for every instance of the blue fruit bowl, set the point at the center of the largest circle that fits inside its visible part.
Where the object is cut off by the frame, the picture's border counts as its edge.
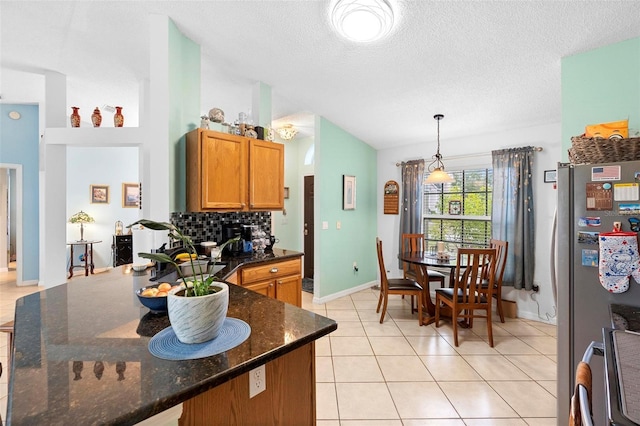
(154, 303)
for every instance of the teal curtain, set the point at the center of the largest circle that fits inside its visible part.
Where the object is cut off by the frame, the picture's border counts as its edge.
(412, 199)
(512, 216)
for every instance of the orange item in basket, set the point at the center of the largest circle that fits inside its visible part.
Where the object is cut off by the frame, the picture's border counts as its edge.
(612, 130)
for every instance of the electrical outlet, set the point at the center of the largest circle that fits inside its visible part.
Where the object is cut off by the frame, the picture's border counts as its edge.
(535, 288)
(355, 266)
(257, 381)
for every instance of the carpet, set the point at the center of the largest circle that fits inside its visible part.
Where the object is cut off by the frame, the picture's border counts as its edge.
(307, 285)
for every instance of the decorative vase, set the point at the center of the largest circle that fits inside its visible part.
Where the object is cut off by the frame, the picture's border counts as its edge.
(216, 115)
(96, 117)
(75, 117)
(198, 319)
(118, 118)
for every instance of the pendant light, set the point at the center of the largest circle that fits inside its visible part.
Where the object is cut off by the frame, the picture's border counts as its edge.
(436, 168)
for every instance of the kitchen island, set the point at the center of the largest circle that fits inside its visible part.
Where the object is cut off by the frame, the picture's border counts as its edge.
(81, 357)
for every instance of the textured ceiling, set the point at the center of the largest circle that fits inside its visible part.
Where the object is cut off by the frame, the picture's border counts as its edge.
(486, 65)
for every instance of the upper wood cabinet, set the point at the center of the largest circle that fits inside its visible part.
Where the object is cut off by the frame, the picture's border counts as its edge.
(233, 173)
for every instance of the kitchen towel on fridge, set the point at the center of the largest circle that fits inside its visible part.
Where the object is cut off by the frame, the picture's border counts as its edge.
(619, 260)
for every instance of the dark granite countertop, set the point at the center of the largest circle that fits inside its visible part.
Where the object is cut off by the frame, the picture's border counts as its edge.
(625, 317)
(81, 352)
(232, 263)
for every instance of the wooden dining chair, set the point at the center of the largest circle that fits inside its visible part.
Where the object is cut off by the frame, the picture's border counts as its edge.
(415, 243)
(502, 248)
(468, 293)
(401, 286)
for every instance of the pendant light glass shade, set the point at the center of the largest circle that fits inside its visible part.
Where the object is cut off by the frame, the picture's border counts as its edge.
(436, 168)
(438, 175)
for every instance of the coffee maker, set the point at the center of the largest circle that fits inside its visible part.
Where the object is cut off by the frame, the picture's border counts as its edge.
(230, 231)
(247, 236)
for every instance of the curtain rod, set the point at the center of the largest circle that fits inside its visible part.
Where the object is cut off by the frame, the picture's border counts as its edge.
(458, 157)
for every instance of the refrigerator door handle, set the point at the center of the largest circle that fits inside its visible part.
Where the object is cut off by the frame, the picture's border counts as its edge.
(594, 348)
(553, 255)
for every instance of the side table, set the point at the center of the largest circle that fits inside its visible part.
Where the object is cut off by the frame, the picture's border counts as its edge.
(88, 256)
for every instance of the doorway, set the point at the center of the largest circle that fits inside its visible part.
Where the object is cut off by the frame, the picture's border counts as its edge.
(11, 220)
(308, 227)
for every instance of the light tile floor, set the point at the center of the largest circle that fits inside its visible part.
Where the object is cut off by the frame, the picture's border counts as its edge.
(398, 373)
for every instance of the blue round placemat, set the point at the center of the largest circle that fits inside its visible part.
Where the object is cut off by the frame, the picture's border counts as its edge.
(166, 345)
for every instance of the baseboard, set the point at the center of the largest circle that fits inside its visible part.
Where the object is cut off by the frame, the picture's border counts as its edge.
(347, 292)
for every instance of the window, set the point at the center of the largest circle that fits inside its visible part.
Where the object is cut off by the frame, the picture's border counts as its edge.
(459, 213)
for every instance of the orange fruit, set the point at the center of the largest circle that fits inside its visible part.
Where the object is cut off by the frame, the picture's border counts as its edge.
(164, 287)
(161, 294)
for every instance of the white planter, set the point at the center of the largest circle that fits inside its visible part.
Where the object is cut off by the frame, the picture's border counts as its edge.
(198, 319)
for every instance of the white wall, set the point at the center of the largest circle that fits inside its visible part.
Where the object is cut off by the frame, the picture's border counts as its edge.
(103, 166)
(473, 152)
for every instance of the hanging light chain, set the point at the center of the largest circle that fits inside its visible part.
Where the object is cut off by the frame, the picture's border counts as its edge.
(437, 157)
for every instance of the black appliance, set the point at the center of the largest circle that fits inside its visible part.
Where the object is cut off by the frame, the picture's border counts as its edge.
(122, 248)
(247, 236)
(231, 231)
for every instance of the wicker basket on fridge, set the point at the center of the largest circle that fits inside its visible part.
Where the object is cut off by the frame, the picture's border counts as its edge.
(597, 150)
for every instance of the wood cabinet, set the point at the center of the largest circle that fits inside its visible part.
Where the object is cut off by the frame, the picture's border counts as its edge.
(279, 280)
(233, 173)
(289, 397)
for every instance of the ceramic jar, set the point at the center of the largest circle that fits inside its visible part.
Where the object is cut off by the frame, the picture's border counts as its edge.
(75, 117)
(96, 117)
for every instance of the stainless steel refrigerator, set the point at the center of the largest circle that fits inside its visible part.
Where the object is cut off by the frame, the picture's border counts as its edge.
(590, 199)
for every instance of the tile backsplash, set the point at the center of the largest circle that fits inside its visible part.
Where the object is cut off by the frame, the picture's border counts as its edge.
(204, 226)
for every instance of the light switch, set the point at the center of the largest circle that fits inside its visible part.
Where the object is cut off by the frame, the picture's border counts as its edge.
(325, 225)
(338, 225)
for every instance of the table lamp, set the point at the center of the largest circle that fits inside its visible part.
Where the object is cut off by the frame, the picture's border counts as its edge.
(81, 218)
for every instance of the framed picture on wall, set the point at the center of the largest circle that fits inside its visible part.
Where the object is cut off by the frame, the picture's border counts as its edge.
(99, 194)
(550, 176)
(348, 192)
(130, 195)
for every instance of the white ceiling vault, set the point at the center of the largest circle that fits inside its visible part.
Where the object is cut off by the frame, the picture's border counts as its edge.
(485, 65)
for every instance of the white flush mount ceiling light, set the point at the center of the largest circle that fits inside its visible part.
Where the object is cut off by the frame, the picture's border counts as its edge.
(362, 20)
(287, 132)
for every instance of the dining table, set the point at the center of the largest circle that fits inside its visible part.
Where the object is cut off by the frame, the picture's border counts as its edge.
(425, 260)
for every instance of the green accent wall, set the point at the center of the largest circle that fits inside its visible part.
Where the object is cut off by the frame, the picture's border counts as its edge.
(184, 109)
(599, 86)
(338, 153)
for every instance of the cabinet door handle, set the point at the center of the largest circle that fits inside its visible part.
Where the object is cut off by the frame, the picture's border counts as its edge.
(270, 284)
(274, 270)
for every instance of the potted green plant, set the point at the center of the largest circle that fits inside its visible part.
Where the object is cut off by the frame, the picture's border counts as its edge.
(198, 307)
